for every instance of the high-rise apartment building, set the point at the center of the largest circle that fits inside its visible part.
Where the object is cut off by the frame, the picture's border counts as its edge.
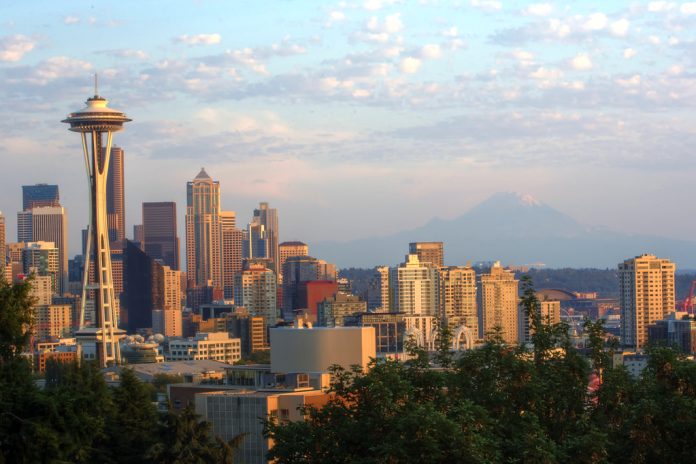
(428, 252)
(268, 217)
(159, 239)
(385, 290)
(550, 312)
(646, 295)
(3, 238)
(498, 296)
(167, 322)
(458, 297)
(417, 287)
(288, 249)
(203, 244)
(42, 258)
(52, 322)
(115, 197)
(256, 290)
(34, 196)
(231, 257)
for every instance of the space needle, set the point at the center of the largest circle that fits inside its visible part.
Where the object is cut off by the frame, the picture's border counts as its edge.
(96, 123)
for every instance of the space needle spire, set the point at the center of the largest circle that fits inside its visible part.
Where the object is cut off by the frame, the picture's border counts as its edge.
(97, 123)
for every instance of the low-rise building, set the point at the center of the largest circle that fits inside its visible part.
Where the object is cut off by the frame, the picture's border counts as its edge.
(216, 346)
(677, 330)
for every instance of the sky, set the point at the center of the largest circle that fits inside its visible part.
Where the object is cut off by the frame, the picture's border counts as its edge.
(362, 118)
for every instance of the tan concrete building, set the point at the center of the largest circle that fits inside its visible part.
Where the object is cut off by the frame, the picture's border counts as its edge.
(42, 290)
(50, 224)
(646, 294)
(316, 349)
(231, 251)
(288, 249)
(167, 322)
(256, 290)
(417, 285)
(172, 294)
(216, 346)
(428, 252)
(52, 322)
(458, 297)
(385, 289)
(3, 238)
(550, 311)
(498, 297)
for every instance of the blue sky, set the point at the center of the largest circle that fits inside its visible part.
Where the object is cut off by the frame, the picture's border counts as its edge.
(362, 118)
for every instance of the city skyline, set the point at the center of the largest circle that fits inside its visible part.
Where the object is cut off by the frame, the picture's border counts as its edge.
(336, 100)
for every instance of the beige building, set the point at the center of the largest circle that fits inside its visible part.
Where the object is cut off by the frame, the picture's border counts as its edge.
(428, 252)
(550, 311)
(50, 224)
(256, 290)
(417, 285)
(458, 297)
(3, 238)
(385, 289)
(288, 249)
(167, 322)
(172, 293)
(52, 322)
(231, 251)
(216, 346)
(646, 294)
(42, 290)
(235, 412)
(43, 258)
(316, 349)
(203, 243)
(498, 296)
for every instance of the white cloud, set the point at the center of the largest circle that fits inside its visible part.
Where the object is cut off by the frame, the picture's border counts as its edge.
(335, 17)
(676, 70)
(487, 5)
(655, 40)
(451, 32)
(546, 74)
(374, 5)
(558, 28)
(620, 28)
(673, 41)
(431, 51)
(595, 22)
(14, 47)
(361, 93)
(410, 65)
(393, 24)
(581, 62)
(71, 20)
(539, 9)
(688, 8)
(632, 81)
(200, 39)
(629, 53)
(523, 57)
(658, 7)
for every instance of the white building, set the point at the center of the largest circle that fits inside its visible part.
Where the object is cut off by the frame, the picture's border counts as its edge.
(216, 346)
(417, 285)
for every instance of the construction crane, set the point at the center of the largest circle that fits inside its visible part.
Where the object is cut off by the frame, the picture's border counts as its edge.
(688, 304)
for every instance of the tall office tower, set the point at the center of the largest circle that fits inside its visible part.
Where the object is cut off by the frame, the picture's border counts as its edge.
(203, 248)
(386, 297)
(255, 243)
(96, 123)
(39, 195)
(550, 312)
(268, 217)
(288, 249)
(231, 251)
(50, 224)
(498, 297)
(143, 288)
(428, 252)
(296, 271)
(458, 297)
(159, 232)
(646, 294)
(115, 197)
(42, 258)
(255, 290)
(24, 232)
(417, 285)
(139, 235)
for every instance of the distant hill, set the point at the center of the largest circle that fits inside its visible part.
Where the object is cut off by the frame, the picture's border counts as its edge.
(516, 229)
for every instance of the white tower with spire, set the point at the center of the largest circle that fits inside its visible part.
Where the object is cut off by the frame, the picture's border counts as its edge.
(97, 123)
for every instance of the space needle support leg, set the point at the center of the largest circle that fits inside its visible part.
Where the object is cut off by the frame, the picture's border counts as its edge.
(90, 227)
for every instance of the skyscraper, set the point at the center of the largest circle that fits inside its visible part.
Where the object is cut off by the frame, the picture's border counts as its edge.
(115, 197)
(458, 297)
(417, 287)
(498, 297)
(268, 217)
(288, 249)
(255, 289)
(550, 312)
(47, 224)
(646, 294)
(39, 195)
(203, 248)
(255, 242)
(296, 271)
(428, 252)
(2, 243)
(231, 251)
(42, 258)
(159, 232)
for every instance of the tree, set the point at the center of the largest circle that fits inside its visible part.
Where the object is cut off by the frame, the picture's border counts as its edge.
(16, 318)
(185, 439)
